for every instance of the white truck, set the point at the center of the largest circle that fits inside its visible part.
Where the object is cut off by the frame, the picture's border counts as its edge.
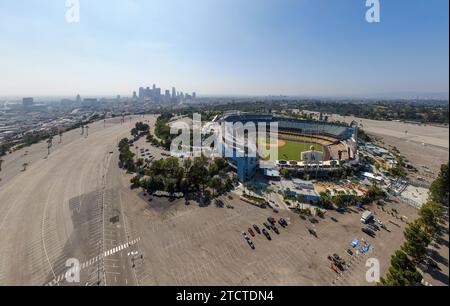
(366, 217)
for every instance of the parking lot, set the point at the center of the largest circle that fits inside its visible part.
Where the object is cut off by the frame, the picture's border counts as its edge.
(189, 245)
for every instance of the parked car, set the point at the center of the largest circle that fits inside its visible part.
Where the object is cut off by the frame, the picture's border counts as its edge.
(251, 232)
(336, 257)
(313, 220)
(245, 236)
(368, 231)
(275, 229)
(264, 231)
(374, 227)
(271, 220)
(312, 232)
(266, 225)
(251, 244)
(334, 268)
(256, 228)
(349, 252)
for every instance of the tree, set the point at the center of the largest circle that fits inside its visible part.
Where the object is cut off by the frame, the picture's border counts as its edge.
(333, 163)
(402, 271)
(374, 193)
(213, 169)
(221, 163)
(126, 157)
(284, 172)
(215, 184)
(135, 181)
(339, 201)
(301, 199)
(325, 200)
(417, 241)
(431, 215)
(199, 174)
(140, 162)
(185, 185)
(439, 190)
(187, 164)
(134, 132)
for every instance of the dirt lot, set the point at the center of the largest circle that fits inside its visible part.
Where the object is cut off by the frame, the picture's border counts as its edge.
(431, 157)
(189, 245)
(422, 145)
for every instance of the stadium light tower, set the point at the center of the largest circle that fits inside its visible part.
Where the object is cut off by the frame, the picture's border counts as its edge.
(49, 145)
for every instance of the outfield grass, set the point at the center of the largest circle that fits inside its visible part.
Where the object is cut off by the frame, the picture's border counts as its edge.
(292, 150)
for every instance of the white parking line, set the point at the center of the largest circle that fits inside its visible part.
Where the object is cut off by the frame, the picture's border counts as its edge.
(94, 260)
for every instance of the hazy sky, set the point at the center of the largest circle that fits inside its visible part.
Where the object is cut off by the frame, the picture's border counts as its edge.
(292, 47)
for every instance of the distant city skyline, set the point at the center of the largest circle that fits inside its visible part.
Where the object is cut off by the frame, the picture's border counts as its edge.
(303, 48)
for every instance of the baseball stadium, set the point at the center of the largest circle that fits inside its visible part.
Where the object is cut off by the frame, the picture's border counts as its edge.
(302, 145)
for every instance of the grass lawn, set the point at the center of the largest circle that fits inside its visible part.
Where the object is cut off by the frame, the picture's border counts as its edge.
(292, 150)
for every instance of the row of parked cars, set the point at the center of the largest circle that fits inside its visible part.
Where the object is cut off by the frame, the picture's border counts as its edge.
(146, 153)
(270, 225)
(373, 227)
(337, 263)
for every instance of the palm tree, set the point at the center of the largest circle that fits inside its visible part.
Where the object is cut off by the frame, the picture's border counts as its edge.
(300, 199)
(137, 152)
(268, 192)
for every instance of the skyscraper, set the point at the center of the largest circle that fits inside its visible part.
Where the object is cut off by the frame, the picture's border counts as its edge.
(174, 93)
(141, 93)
